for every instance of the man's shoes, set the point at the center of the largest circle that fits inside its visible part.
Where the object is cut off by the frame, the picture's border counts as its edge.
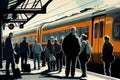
(66, 76)
(83, 76)
(72, 76)
(7, 74)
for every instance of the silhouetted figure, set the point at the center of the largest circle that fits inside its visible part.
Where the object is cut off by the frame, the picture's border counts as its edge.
(83, 56)
(51, 65)
(17, 55)
(107, 55)
(10, 54)
(24, 52)
(37, 49)
(71, 48)
(58, 53)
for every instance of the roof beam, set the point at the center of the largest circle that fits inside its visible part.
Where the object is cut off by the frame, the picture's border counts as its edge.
(15, 20)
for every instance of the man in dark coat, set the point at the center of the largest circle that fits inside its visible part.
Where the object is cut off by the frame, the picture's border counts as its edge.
(24, 52)
(71, 48)
(10, 54)
(107, 55)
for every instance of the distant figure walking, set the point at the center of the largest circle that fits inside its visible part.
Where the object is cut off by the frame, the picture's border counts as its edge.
(71, 48)
(107, 55)
(10, 54)
(37, 49)
(83, 56)
(24, 52)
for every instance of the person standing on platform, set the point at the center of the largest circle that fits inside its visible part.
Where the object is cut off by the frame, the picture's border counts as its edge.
(49, 51)
(24, 52)
(107, 55)
(71, 48)
(60, 55)
(37, 49)
(83, 56)
(10, 54)
(57, 51)
(17, 55)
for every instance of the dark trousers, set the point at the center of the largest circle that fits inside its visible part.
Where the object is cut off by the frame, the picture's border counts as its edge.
(70, 63)
(107, 68)
(43, 60)
(23, 61)
(7, 66)
(59, 62)
(83, 65)
(51, 65)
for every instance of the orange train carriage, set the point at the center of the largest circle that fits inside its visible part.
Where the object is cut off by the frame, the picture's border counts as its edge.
(96, 23)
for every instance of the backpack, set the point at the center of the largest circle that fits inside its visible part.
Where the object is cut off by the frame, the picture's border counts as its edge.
(88, 48)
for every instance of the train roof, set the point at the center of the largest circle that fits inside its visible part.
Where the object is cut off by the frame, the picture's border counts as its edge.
(89, 14)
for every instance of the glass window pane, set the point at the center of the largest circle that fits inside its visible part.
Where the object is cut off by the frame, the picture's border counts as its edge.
(96, 30)
(101, 29)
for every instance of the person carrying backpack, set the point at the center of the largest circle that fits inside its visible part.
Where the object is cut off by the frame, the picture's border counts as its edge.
(84, 55)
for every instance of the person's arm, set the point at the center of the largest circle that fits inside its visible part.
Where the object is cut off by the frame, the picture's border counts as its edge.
(82, 46)
(28, 50)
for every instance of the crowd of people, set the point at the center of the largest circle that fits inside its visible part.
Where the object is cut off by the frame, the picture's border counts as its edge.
(69, 48)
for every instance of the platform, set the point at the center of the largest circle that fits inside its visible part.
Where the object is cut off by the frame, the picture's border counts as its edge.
(44, 74)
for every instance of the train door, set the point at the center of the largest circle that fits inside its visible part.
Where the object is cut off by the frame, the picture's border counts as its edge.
(98, 33)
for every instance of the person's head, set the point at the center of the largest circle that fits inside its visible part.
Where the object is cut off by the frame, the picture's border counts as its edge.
(84, 37)
(36, 41)
(73, 30)
(16, 44)
(61, 39)
(11, 35)
(55, 40)
(24, 38)
(106, 38)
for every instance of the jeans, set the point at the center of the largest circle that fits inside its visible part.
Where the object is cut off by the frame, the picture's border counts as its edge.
(36, 57)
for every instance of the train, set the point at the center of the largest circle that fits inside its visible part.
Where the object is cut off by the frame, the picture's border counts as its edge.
(95, 23)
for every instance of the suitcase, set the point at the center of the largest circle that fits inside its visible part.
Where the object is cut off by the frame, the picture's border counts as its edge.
(26, 68)
(17, 73)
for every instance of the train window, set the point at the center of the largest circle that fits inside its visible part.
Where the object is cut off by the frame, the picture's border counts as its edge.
(116, 31)
(96, 30)
(101, 29)
(31, 39)
(82, 30)
(45, 37)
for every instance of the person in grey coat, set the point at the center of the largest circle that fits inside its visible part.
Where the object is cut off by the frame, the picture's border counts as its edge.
(37, 49)
(83, 56)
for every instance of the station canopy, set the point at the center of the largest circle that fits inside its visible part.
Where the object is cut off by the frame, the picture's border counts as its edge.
(21, 11)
